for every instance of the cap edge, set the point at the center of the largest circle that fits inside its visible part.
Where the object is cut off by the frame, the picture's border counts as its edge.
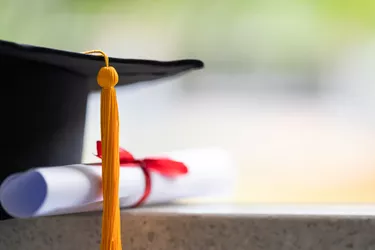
(195, 63)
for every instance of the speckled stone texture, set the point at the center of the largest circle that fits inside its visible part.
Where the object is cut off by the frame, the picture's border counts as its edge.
(143, 230)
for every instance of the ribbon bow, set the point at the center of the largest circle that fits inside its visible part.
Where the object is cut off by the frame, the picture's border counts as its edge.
(163, 166)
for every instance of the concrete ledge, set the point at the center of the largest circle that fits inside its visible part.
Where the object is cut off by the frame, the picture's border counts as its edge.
(196, 228)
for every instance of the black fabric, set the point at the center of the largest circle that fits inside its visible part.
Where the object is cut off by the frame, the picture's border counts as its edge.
(130, 70)
(43, 116)
(44, 98)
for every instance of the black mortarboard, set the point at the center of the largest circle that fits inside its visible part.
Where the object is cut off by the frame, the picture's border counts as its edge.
(44, 100)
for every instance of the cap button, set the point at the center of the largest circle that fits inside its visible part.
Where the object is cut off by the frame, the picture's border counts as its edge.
(107, 77)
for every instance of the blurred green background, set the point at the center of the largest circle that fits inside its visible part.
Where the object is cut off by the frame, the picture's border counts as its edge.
(240, 31)
(288, 86)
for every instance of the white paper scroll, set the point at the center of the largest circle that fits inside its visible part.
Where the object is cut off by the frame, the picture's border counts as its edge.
(76, 188)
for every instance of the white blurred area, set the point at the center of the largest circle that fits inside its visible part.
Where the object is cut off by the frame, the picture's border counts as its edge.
(288, 146)
(304, 133)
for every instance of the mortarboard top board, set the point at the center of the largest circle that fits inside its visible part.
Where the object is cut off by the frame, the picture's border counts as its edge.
(44, 98)
(130, 70)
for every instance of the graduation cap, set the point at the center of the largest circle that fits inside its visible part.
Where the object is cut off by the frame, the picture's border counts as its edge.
(44, 98)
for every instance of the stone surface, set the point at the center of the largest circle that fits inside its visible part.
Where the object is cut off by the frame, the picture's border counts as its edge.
(202, 228)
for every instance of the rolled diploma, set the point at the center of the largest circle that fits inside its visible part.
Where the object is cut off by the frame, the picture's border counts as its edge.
(77, 188)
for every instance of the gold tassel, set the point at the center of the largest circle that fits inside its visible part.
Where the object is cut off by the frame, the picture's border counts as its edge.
(111, 224)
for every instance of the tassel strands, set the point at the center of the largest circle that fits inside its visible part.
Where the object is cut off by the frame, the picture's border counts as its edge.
(111, 224)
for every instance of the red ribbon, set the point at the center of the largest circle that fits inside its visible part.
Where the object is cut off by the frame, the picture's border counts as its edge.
(163, 166)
